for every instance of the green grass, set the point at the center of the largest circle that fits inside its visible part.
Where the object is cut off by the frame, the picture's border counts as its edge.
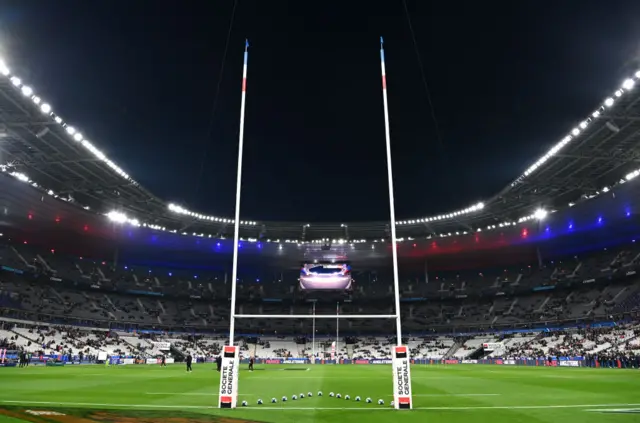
(454, 393)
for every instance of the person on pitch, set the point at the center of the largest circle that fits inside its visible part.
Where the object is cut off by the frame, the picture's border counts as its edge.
(189, 360)
(163, 361)
(251, 360)
(219, 362)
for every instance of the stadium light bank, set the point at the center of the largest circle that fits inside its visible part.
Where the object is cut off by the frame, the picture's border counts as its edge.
(27, 91)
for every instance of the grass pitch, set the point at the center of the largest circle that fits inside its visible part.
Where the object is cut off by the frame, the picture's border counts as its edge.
(454, 393)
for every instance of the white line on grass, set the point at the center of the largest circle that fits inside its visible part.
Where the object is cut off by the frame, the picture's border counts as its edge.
(215, 394)
(524, 407)
(454, 395)
(382, 376)
(363, 408)
(208, 394)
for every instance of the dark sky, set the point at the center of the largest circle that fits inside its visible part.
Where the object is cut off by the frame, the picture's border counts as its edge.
(139, 78)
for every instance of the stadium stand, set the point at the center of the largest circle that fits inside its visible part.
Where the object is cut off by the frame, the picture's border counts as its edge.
(86, 305)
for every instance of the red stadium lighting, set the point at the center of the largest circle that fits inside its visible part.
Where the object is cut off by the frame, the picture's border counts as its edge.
(57, 220)
(53, 251)
(86, 227)
(525, 232)
(30, 216)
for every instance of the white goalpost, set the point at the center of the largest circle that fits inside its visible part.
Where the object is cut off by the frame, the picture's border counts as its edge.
(230, 356)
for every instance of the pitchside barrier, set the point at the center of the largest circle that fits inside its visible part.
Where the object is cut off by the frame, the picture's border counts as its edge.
(41, 360)
(10, 360)
(555, 361)
(541, 362)
(531, 362)
(317, 361)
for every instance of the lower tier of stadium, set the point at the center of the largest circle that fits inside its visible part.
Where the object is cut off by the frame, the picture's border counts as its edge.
(39, 285)
(612, 341)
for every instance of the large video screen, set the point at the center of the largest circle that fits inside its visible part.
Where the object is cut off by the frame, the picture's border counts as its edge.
(319, 276)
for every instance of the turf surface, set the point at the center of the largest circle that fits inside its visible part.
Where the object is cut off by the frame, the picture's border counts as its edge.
(454, 393)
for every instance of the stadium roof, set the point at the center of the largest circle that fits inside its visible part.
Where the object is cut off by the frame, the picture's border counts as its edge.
(44, 150)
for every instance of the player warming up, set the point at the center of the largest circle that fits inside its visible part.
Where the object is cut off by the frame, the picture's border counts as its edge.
(163, 361)
(251, 359)
(189, 359)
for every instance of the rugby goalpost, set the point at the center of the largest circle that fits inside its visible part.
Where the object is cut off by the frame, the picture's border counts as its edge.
(228, 394)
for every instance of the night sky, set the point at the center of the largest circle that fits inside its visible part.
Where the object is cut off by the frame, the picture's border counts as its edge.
(148, 82)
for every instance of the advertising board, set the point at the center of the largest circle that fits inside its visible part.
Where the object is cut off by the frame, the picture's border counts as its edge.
(228, 397)
(402, 378)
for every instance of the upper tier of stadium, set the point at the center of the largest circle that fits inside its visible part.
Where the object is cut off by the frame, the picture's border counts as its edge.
(43, 150)
(543, 290)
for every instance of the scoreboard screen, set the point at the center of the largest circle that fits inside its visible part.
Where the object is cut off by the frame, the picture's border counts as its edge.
(325, 276)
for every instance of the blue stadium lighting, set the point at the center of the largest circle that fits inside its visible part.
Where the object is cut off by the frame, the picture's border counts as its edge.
(599, 219)
(570, 225)
(218, 244)
(628, 213)
(170, 274)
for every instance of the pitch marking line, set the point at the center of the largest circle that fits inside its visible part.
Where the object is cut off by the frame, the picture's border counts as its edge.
(207, 394)
(215, 394)
(453, 395)
(359, 377)
(364, 408)
(616, 410)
